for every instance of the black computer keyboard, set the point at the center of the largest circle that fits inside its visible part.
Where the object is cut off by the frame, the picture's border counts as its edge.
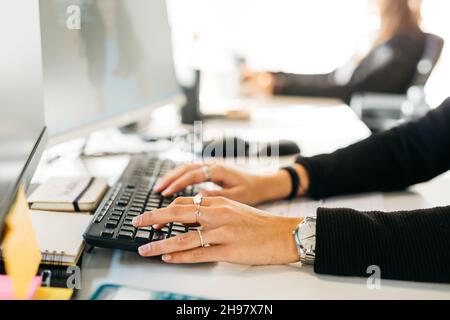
(132, 195)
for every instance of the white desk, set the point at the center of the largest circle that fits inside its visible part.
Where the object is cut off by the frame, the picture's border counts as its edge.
(316, 130)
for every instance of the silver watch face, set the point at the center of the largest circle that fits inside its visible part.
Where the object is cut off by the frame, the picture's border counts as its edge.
(309, 244)
(307, 235)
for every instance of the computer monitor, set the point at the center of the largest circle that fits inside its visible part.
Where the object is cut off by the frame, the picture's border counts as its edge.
(111, 71)
(22, 129)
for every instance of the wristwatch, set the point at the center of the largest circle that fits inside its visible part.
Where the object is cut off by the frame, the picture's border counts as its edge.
(305, 238)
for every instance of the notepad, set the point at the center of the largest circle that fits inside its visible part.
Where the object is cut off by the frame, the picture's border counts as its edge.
(69, 194)
(60, 236)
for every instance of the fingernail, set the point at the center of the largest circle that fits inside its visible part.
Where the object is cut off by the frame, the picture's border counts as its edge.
(145, 249)
(166, 193)
(156, 226)
(166, 257)
(136, 221)
(157, 186)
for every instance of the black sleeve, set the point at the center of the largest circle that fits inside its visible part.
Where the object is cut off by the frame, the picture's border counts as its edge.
(411, 246)
(412, 153)
(387, 69)
(314, 85)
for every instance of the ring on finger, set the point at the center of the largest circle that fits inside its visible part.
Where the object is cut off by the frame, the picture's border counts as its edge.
(198, 200)
(203, 243)
(198, 213)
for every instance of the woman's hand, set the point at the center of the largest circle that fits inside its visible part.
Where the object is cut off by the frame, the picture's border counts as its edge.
(238, 186)
(235, 232)
(245, 188)
(257, 83)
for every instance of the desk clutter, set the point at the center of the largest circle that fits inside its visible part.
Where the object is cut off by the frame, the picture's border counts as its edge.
(60, 242)
(49, 241)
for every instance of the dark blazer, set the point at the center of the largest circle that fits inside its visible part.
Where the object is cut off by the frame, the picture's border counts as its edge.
(407, 245)
(388, 68)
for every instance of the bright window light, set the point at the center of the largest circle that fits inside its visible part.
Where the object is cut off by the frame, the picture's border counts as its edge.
(304, 36)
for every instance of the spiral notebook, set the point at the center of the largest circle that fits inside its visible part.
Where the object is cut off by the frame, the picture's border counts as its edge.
(60, 236)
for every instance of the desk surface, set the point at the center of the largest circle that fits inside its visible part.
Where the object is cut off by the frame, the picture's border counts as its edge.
(317, 130)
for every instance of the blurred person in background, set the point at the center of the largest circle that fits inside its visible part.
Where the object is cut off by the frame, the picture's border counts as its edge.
(389, 67)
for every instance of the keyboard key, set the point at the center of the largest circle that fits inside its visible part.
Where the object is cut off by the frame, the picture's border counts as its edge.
(114, 218)
(157, 236)
(142, 236)
(117, 213)
(146, 229)
(177, 224)
(128, 228)
(165, 230)
(108, 233)
(152, 205)
(142, 194)
(111, 224)
(128, 224)
(133, 214)
(125, 235)
(178, 228)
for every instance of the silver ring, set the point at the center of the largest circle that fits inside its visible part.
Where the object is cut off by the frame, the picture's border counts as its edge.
(198, 200)
(207, 173)
(197, 215)
(203, 244)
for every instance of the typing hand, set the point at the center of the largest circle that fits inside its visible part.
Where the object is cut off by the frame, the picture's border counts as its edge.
(231, 232)
(245, 188)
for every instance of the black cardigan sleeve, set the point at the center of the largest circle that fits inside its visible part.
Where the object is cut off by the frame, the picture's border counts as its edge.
(389, 68)
(410, 245)
(409, 154)
(405, 245)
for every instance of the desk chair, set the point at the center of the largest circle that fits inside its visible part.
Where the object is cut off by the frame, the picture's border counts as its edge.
(383, 111)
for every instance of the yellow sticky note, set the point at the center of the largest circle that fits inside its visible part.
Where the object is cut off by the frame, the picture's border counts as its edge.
(20, 249)
(45, 293)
